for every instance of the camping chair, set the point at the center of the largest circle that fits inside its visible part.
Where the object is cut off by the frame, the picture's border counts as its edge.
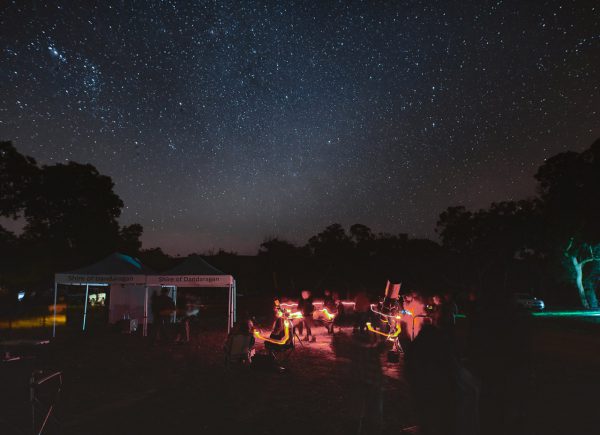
(238, 348)
(282, 351)
(326, 317)
(43, 403)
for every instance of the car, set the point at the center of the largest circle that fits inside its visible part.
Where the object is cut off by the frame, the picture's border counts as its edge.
(529, 302)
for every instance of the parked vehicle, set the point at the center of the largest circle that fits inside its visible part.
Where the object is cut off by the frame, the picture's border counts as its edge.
(529, 302)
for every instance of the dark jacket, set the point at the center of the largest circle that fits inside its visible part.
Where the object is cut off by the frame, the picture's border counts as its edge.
(305, 306)
(329, 303)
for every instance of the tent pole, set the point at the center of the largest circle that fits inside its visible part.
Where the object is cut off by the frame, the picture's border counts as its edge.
(229, 312)
(87, 289)
(54, 320)
(145, 325)
(175, 302)
(234, 301)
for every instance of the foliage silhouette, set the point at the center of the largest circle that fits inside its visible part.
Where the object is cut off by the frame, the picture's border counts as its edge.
(70, 213)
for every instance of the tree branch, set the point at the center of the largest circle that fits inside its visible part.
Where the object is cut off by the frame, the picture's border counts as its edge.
(568, 249)
(569, 246)
(587, 260)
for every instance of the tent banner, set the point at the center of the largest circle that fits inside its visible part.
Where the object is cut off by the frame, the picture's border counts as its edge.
(191, 280)
(76, 279)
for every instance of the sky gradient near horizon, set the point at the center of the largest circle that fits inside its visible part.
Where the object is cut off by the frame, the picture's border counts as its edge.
(225, 122)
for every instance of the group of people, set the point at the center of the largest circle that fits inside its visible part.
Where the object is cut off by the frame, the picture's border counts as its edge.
(331, 303)
(438, 310)
(461, 387)
(164, 311)
(480, 386)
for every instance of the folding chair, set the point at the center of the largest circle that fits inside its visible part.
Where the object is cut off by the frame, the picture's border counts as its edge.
(43, 405)
(239, 349)
(281, 352)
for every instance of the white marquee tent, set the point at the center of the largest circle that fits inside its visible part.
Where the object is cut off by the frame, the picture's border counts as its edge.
(195, 272)
(130, 281)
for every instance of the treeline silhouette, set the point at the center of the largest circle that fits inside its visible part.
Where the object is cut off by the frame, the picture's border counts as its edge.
(548, 245)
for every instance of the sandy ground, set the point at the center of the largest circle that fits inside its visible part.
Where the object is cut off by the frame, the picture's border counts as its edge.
(119, 384)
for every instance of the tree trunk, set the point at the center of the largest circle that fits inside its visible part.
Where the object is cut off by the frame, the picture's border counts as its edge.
(589, 283)
(591, 298)
(590, 292)
(578, 268)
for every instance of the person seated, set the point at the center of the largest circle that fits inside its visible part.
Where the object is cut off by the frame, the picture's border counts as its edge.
(240, 340)
(278, 333)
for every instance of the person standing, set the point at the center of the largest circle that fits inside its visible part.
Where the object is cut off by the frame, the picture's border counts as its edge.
(162, 310)
(306, 307)
(435, 310)
(155, 309)
(362, 306)
(184, 313)
(366, 357)
(474, 335)
(331, 307)
(444, 317)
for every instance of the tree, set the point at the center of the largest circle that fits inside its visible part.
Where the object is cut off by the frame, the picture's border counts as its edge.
(331, 242)
(569, 191)
(73, 211)
(284, 263)
(361, 233)
(577, 256)
(18, 175)
(334, 257)
(70, 211)
(156, 259)
(129, 239)
(456, 229)
(7, 252)
(561, 222)
(492, 239)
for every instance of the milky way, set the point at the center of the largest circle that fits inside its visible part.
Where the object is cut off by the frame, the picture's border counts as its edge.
(224, 122)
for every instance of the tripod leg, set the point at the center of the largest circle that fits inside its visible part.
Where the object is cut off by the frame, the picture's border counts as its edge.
(398, 346)
(296, 337)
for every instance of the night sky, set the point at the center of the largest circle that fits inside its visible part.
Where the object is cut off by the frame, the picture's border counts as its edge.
(223, 122)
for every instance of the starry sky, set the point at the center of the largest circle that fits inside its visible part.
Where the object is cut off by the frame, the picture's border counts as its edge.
(225, 122)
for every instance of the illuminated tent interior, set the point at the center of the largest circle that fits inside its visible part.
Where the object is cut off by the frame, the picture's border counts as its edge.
(127, 278)
(130, 282)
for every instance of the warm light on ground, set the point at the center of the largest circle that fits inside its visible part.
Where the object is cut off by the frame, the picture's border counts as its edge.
(33, 322)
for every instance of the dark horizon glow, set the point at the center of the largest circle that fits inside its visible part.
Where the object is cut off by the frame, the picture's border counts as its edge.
(225, 122)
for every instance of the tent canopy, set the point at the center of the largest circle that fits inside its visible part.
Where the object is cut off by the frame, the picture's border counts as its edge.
(192, 272)
(194, 265)
(117, 268)
(130, 272)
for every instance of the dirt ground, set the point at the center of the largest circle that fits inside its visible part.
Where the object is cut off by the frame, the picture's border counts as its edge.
(119, 384)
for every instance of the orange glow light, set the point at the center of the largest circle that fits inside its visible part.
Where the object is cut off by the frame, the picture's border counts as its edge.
(287, 313)
(280, 342)
(329, 315)
(33, 322)
(388, 336)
